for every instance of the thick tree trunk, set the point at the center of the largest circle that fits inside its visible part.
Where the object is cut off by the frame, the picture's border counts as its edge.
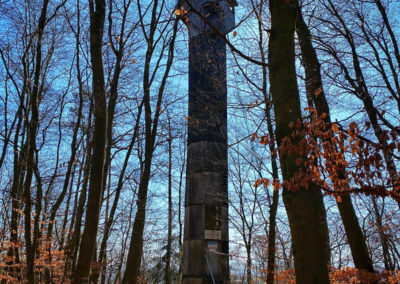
(305, 207)
(38, 208)
(110, 118)
(275, 175)
(355, 237)
(88, 242)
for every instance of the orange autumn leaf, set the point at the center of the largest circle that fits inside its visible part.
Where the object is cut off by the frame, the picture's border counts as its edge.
(263, 181)
(335, 127)
(310, 109)
(253, 137)
(339, 198)
(318, 91)
(352, 125)
(180, 12)
(234, 33)
(257, 183)
(264, 140)
(133, 61)
(276, 184)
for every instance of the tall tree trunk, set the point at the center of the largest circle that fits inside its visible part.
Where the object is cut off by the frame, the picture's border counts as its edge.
(274, 206)
(110, 220)
(305, 207)
(112, 102)
(38, 207)
(64, 232)
(383, 13)
(248, 261)
(88, 242)
(72, 249)
(355, 237)
(32, 132)
(7, 132)
(16, 189)
(134, 259)
(167, 271)
(110, 118)
(180, 221)
(274, 164)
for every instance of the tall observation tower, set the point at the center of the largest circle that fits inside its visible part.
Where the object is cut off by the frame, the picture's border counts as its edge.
(206, 201)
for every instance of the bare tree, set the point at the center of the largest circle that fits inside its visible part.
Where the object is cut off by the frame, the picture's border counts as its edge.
(88, 243)
(314, 89)
(151, 126)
